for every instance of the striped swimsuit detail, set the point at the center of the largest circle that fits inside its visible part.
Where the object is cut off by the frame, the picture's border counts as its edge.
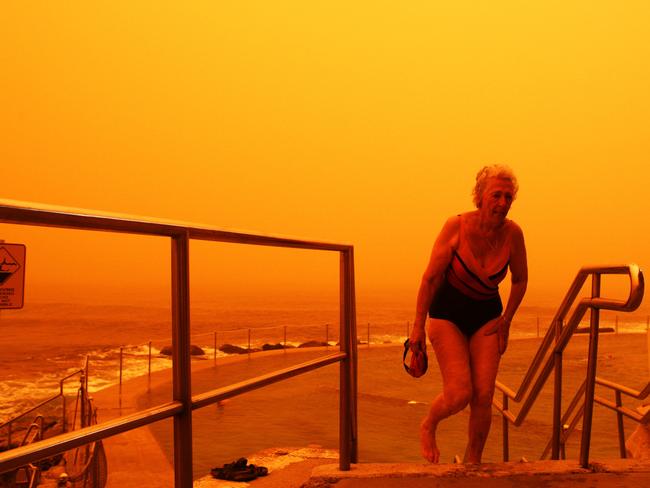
(469, 295)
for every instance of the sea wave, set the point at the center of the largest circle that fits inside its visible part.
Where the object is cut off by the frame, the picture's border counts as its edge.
(29, 379)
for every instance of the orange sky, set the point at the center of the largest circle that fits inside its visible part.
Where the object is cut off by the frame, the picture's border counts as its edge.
(359, 122)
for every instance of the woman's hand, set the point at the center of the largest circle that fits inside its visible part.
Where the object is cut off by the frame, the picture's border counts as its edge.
(418, 339)
(501, 327)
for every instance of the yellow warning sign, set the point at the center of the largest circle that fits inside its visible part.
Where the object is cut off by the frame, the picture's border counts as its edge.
(12, 275)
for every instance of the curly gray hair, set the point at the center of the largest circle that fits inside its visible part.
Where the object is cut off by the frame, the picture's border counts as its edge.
(492, 171)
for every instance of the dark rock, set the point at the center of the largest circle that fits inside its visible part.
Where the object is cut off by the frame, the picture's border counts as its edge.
(271, 347)
(313, 344)
(194, 351)
(230, 349)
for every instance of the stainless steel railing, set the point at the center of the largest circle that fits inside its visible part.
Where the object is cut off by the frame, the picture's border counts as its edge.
(85, 414)
(9, 424)
(549, 355)
(180, 408)
(575, 412)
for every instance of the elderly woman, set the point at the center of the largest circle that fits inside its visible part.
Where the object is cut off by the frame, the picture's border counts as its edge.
(468, 327)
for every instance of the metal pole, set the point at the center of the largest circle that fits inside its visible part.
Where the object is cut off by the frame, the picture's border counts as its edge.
(368, 334)
(504, 419)
(285, 338)
(249, 343)
(215, 348)
(344, 374)
(352, 322)
(82, 411)
(348, 343)
(64, 419)
(181, 366)
(647, 329)
(591, 375)
(121, 360)
(617, 324)
(87, 371)
(621, 431)
(557, 396)
(327, 334)
(149, 359)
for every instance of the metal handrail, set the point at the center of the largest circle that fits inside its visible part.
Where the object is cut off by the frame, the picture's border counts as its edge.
(9, 423)
(34, 431)
(27, 213)
(549, 354)
(183, 403)
(572, 415)
(616, 406)
(44, 402)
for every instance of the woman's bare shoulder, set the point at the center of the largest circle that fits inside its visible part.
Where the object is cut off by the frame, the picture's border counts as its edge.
(449, 233)
(513, 229)
(452, 224)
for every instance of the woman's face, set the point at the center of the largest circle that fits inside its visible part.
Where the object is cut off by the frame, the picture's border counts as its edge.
(497, 198)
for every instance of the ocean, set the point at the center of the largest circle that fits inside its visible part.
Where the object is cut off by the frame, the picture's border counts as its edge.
(47, 341)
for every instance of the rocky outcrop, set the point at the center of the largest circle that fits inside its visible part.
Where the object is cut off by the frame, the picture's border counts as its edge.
(313, 344)
(194, 351)
(232, 349)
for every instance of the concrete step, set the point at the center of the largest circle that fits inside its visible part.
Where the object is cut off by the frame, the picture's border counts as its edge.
(606, 474)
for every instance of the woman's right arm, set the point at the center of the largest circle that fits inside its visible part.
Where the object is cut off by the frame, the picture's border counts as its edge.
(433, 277)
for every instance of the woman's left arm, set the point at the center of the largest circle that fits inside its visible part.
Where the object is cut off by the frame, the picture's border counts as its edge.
(519, 273)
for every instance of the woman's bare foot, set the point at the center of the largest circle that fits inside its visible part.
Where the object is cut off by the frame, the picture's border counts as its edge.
(430, 450)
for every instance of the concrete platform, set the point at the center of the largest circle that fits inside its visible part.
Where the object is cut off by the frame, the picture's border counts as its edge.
(542, 474)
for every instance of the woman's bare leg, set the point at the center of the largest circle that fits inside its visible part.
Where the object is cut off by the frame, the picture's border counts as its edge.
(484, 360)
(452, 353)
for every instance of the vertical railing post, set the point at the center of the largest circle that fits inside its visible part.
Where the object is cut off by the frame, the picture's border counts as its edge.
(64, 423)
(591, 374)
(347, 334)
(87, 368)
(285, 338)
(506, 439)
(647, 332)
(214, 359)
(121, 363)
(181, 367)
(82, 409)
(149, 365)
(557, 395)
(249, 343)
(368, 334)
(327, 335)
(352, 311)
(64, 419)
(621, 431)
